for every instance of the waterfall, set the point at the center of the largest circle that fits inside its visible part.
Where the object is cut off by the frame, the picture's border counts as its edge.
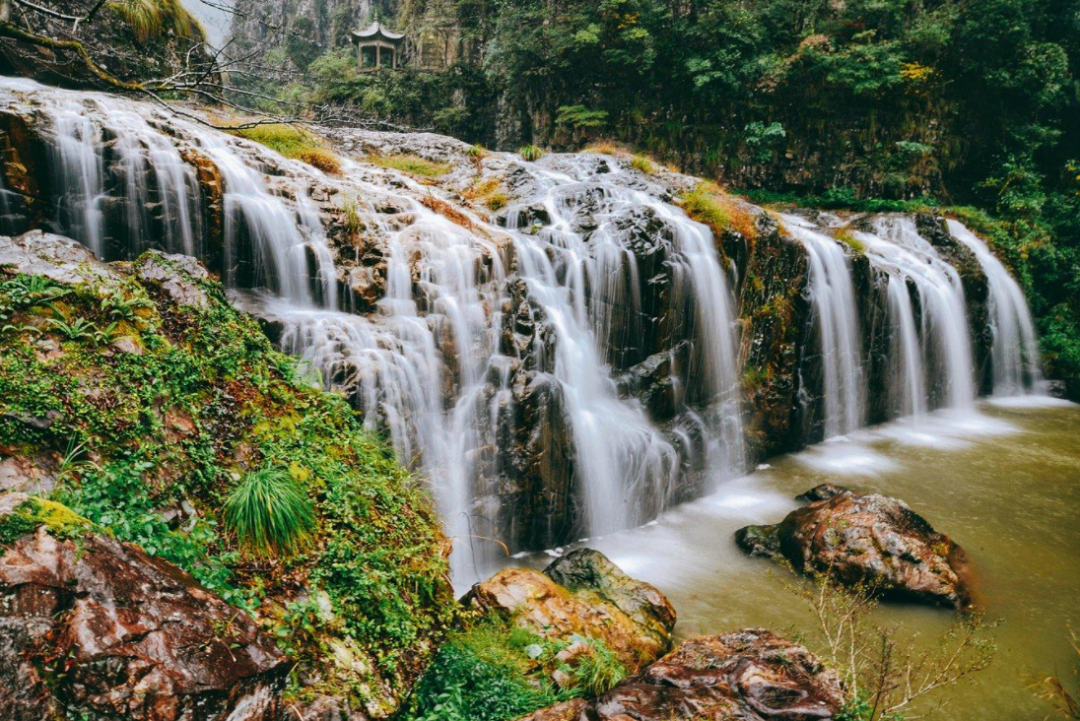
(1015, 350)
(832, 297)
(78, 171)
(574, 354)
(8, 221)
(944, 332)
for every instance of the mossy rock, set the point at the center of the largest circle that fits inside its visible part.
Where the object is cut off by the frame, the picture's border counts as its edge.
(159, 396)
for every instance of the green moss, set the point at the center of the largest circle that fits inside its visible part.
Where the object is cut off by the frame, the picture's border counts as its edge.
(847, 237)
(60, 520)
(411, 164)
(174, 428)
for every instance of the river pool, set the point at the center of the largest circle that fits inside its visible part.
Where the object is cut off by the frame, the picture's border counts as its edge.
(1003, 481)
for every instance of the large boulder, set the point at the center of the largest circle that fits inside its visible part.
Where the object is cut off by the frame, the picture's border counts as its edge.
(99, 625)
(749, 675)
(583, 594)
(869, 541)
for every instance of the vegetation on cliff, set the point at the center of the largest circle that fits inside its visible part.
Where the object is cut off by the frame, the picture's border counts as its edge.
(149, 411)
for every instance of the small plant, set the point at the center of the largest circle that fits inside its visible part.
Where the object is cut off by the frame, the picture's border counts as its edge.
(644, 164)
(598, 670)
(117, 307)
(1055, 692)
(886, 677)
(106, 335)
(531, 153)
(351, 215)
(78, 329)
(270, 513)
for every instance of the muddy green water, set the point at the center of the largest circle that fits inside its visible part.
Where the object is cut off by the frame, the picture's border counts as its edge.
(1004, 482)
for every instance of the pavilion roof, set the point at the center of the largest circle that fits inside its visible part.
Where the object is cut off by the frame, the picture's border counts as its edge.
(376, 31)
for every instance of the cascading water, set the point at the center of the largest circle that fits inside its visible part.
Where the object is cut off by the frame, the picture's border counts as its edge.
(1015, 351)
(945, 337)
(78, 172)
(832, 296)
(581, 343)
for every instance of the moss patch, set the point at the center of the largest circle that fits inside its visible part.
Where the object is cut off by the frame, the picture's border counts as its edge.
(154, 442)
(708, 204)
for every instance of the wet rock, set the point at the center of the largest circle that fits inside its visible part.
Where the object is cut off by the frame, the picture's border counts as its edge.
(57, 258)
(526, 216)
(750, 675)
(598, 601)
(175, 275)
(135, 637)
(325, 708)
(586, 569)
(823, 492)
(867, 540)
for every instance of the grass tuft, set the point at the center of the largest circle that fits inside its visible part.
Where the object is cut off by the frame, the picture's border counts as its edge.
(270, 513)
(708, 204)
(643, 163)
(294, 143)
(411, 164)
(152, 18)
(531, 153)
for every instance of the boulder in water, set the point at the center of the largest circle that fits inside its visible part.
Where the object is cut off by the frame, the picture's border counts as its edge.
(752, 675)
(867, 540)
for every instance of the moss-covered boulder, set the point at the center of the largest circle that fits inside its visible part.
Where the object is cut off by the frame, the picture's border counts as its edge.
(147, 399)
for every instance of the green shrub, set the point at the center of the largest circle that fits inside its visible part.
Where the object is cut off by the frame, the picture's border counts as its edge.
(481, 676)
(270, 513)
